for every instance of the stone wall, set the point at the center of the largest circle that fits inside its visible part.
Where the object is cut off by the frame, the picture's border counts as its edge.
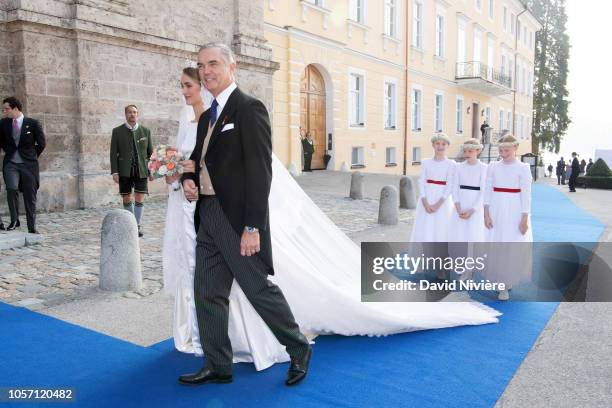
(75, 64)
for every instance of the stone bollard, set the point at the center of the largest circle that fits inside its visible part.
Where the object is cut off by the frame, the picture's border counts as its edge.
(344, 168)
(120, 252)
(356, 186)
(388, 208)
(407, 193)
(293, 170)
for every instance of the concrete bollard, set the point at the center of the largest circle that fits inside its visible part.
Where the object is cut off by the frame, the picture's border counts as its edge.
(388, 208)
(120, 268)
(407, 193)
(293, 170)
(356, 192)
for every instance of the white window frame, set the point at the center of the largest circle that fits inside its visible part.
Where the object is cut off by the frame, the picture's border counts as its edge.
(440, 35)
(362, 99)
(438, 127)
(501, 120)
(459, 108)
(393, 159)
(358, 11)
(392, 24)
(392, 109)
(505, 19)
(477, 51)
(360, 156)
(512, 23)
(417, 24)
(509, 123)
(416, 127)
(492, 10)
(416, 155)
(488, 112)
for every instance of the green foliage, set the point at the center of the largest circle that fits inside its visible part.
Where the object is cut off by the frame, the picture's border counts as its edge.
(594, 182)
(599, 169)
(550, 104)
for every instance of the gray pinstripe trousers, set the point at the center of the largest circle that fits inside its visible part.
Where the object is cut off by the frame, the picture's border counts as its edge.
(218, 262)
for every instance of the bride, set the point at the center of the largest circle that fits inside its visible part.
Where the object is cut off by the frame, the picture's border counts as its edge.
(317, 267)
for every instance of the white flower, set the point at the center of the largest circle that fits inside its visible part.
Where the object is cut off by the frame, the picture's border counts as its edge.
(162, 170)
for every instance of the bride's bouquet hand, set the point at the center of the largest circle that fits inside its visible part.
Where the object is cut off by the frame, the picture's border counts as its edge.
(173, 178)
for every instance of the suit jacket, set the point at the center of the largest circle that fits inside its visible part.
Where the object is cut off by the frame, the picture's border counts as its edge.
(122, 145)
(575, 167)
(31, 143)
(239, 161)
(307, 146)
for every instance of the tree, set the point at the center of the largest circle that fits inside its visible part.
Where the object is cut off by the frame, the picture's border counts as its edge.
(550, 104)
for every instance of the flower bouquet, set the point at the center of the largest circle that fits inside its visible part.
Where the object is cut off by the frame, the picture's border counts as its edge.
(165, 161)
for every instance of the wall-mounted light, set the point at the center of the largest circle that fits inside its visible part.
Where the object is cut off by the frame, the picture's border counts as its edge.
(469, 108)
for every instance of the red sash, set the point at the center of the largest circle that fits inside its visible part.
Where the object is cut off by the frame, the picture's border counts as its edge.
(442, 183)
(506, 190)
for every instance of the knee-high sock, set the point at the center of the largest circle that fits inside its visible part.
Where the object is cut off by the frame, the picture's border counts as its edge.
(138, 210)
(129, 207)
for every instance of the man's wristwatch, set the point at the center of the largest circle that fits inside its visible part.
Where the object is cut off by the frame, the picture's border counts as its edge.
(251, 229)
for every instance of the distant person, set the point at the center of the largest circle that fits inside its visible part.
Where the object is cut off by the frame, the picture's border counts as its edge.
(583, 164)
(550, 169)
(130, 150)
(589, 165)
(574, 172)
(22, 140)
(483, 130)
(308, 148)
(560, 171)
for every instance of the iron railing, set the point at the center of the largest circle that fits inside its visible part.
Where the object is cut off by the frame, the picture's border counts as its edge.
(476, 69)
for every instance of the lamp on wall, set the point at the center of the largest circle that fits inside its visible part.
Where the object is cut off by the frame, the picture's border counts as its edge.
(469, 108)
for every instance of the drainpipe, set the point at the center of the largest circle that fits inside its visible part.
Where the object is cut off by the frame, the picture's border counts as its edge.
(407, 96)
(516, 33)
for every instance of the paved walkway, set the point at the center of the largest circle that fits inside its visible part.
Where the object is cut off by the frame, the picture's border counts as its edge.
(65, 266)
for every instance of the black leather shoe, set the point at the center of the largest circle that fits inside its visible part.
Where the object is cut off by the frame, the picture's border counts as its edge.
(2, 227)
(33, 231)
(140, 234)
(298, 368)
(13, 225)
(205, 376)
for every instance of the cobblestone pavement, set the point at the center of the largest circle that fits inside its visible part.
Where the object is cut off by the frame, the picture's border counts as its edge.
(65, 266)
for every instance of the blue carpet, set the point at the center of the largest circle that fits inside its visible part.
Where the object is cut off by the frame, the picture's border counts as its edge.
(458, 367)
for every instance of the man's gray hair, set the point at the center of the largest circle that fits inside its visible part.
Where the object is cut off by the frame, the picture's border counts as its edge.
(226, 52)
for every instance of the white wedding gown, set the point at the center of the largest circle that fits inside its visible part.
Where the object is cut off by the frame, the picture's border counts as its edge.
(316, 266)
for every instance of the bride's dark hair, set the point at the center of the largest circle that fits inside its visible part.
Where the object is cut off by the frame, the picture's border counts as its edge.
(192, 73)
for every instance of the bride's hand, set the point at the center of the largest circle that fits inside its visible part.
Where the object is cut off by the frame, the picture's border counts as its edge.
(173, 178)
(188, 166)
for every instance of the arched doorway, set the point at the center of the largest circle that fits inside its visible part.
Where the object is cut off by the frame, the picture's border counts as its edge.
(312, 112)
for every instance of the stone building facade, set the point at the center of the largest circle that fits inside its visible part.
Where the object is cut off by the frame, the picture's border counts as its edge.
(75, 64)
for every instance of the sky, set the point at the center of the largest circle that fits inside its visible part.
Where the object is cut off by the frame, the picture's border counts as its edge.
(589, 80)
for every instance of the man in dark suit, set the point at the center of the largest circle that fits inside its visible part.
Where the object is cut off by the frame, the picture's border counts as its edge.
(560, 171)
(230, 174)
(22, 140)
(308, 148)
(575, 173)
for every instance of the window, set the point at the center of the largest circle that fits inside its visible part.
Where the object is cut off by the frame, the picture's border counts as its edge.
(488, 115)
(461, 47)
(357, 156)
(391, 15)
(390, 156)
(416, 155)
(459, 115)
(477, 50)
(417, 99)
(512, 23)
(478, 5)
(531, 39)
(518, 30)
(503, 64)
(505, 19)
(509, 122)
(524, 80)
(491, 9)
(440, 35)
(438, 112)
(417, 24)
(525, 35)
(357, 11)
(390, 103)
(357, 98)
(501, 120)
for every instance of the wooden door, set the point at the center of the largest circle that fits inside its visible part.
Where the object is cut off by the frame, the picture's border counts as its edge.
(312, 112)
